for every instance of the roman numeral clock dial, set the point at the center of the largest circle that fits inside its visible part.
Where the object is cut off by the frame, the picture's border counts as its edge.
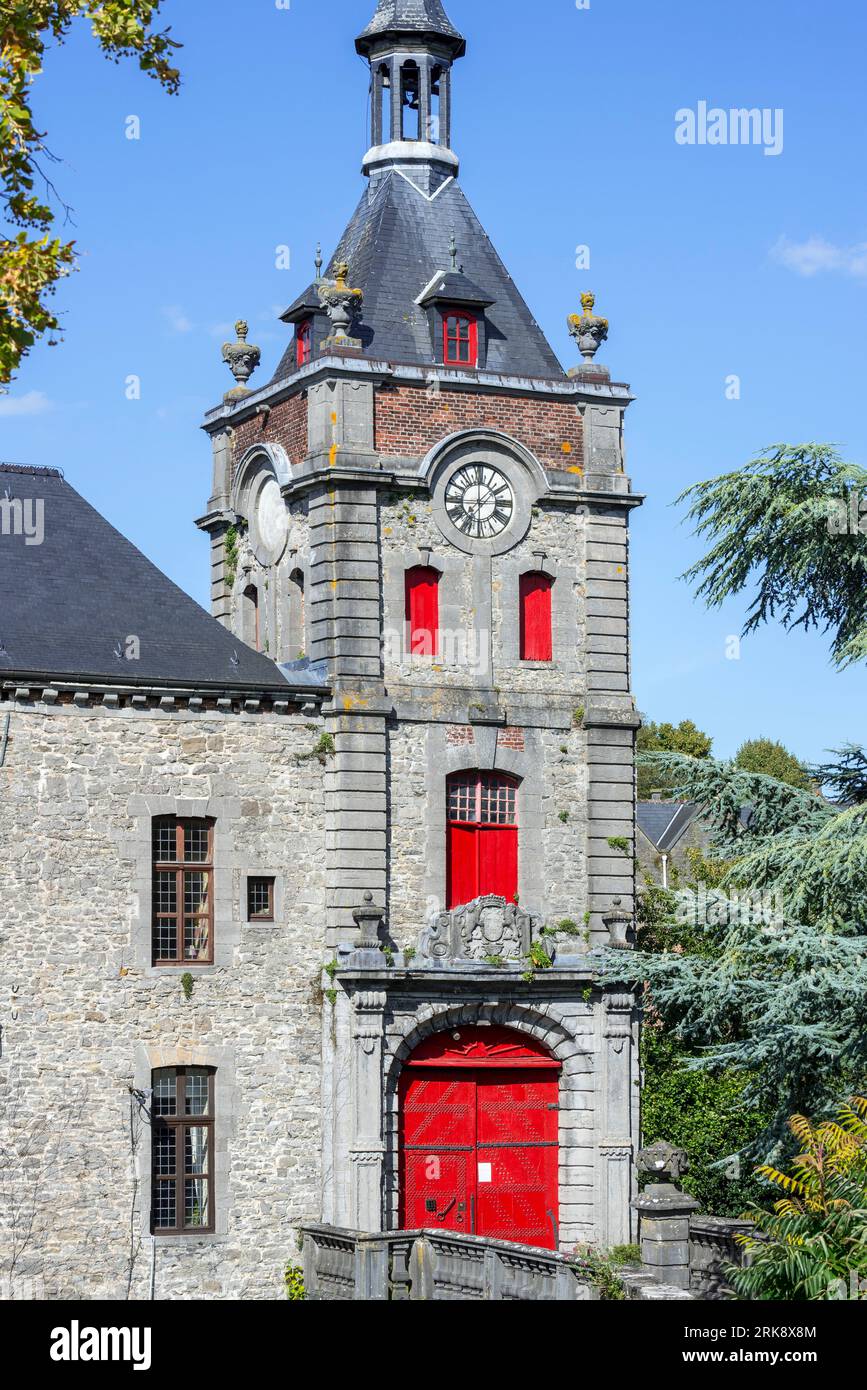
(480, 501)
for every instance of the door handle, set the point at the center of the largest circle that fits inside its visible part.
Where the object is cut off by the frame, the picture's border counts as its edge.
(441, 1216)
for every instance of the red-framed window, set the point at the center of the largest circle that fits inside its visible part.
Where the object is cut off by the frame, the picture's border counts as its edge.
(304, 336)
(460, 340)
(482, 845)
(537, 641)
(423, 610)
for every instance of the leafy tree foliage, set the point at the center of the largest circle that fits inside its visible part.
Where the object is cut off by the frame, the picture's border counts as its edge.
(767, 756)
(778, 992)
(846, 779)
(33, 259)
(815, 1240)
(708, 1116)
(791, 520)
(685, 738)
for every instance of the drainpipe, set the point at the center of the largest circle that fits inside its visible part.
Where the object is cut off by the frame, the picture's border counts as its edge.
(4, 739)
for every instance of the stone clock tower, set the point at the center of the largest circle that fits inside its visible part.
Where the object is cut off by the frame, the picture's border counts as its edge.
(423, 517)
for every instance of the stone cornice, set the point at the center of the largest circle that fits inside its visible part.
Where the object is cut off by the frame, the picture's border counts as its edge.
(409, 374)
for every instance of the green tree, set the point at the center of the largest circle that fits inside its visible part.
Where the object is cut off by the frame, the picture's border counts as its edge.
(33, 258)
(771, 758)
(666, 738)
(794, 521)
(765, 971)
(845, 779)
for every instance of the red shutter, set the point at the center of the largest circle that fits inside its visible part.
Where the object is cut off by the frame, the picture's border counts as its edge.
(463, 866)
(423, 611)
(536, 636)
(305, 343)
(498, 861)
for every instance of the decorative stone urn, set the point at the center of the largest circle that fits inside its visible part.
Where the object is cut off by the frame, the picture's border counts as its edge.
(368, 919)
(343, 306)
(665, 1211)
(588, 330)
(619, 922)
(242, 359)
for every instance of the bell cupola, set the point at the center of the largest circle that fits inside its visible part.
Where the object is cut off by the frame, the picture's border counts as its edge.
(410, 46)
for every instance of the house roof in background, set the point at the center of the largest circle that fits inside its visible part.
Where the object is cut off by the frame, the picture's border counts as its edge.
(70, 603)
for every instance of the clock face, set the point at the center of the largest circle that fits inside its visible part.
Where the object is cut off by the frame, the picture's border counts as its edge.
(479, 501)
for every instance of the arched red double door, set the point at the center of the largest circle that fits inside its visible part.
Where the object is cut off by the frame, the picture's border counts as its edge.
(479, 1137)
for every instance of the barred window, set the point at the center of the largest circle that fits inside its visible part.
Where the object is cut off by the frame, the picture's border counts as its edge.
(183, 892)
(260, 899)
(482, 800)
(182, 1167)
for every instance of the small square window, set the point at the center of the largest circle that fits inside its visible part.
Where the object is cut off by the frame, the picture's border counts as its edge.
(260, 899)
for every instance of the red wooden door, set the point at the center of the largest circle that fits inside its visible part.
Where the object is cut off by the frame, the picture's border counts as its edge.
(518, 1156)
(482, 849)
(479, 1145)
(438, 1151)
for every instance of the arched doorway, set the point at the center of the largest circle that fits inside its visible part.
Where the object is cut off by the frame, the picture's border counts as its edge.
(479, 1148)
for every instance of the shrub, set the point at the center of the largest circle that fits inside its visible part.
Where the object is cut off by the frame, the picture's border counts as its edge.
(815, 1240)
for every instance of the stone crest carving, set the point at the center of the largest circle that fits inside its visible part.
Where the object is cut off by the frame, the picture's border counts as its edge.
(490, 926)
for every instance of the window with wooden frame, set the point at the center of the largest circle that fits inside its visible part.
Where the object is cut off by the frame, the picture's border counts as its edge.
(460, 339)
(482, 849)
(183, 891)
(423, 610)
(537, 638)
(304, 342)
(260, 899)
(182, 1151)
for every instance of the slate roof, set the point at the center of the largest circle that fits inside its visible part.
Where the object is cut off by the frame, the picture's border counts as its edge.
(67, 603)
(410, 17)
(397, 241)
(665, 822)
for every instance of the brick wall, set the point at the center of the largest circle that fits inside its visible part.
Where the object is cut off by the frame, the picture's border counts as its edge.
(287, 425)
(410, 420)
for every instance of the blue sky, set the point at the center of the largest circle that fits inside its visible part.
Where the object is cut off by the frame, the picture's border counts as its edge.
(708, 261)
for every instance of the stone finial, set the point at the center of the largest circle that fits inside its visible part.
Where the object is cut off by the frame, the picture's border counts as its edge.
(588, 330)
(618, 921)
(663, 1161)
(242, 359)
(318, 262)
(342, 305)
(369, 919)
(453, 252)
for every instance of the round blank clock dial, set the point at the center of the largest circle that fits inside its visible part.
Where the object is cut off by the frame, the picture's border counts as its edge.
(479, 501)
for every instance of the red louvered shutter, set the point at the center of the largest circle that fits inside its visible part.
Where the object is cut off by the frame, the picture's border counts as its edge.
(536, 635)
(423, 611)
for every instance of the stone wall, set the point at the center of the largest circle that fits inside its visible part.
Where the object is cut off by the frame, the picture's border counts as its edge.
(552, 817)
(93, 1018)
(479, 604)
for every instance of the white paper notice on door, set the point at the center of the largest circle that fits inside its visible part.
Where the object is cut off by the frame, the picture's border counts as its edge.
(485, 1172)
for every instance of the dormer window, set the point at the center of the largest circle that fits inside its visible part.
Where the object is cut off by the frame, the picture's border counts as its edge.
(304, 337)
(460, 339)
